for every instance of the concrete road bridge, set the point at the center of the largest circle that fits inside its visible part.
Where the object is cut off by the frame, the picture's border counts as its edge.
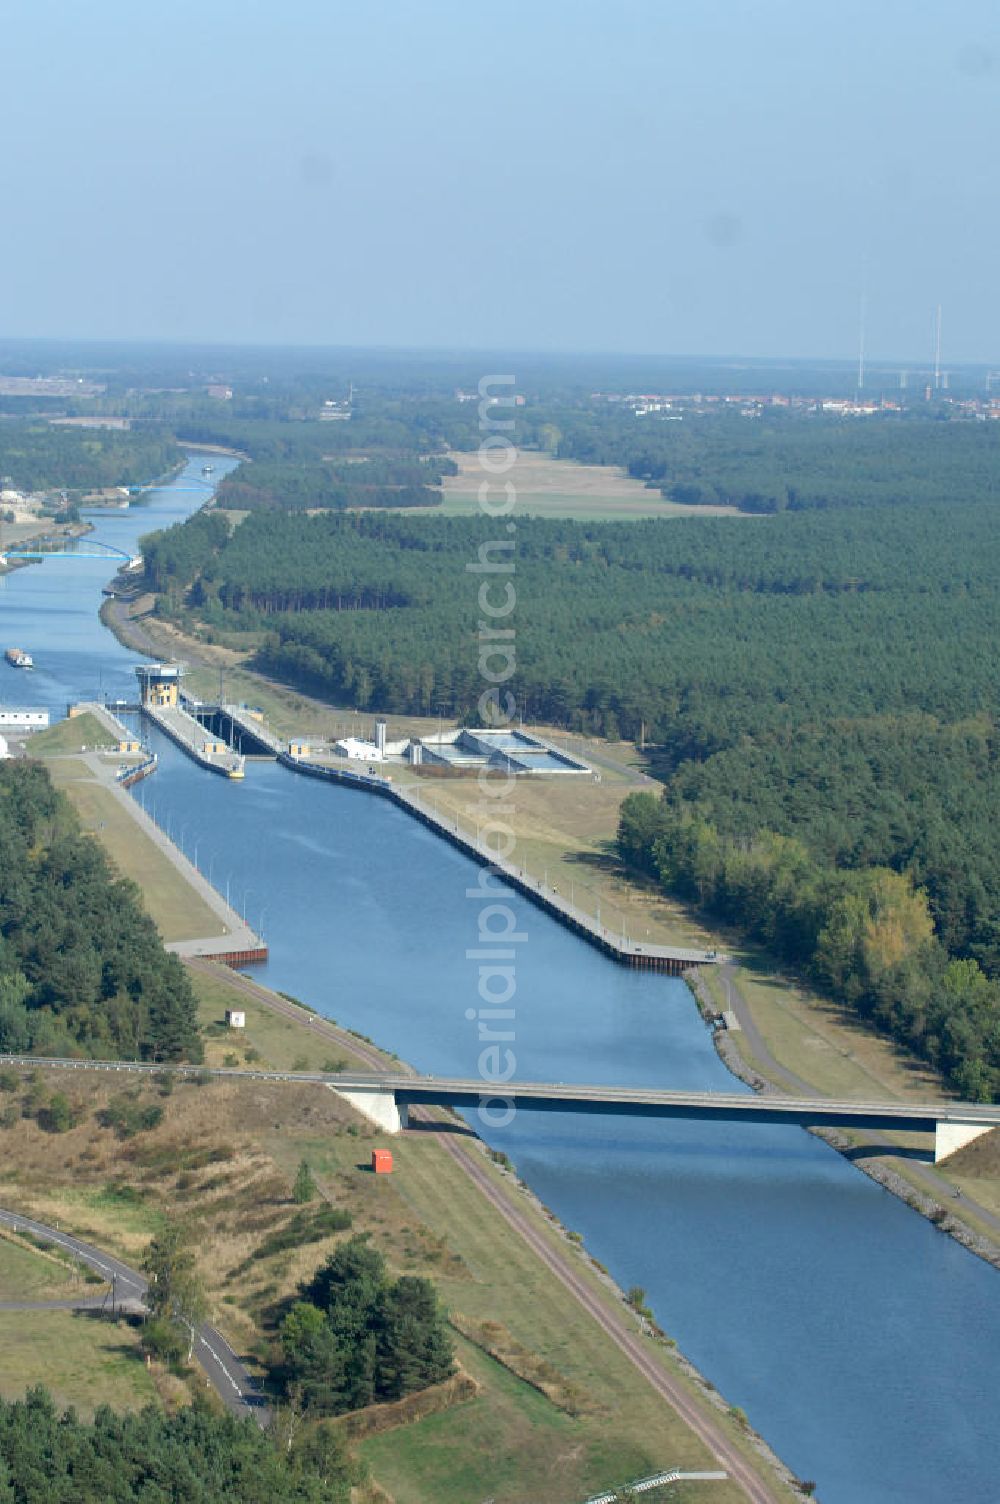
(385, 1098)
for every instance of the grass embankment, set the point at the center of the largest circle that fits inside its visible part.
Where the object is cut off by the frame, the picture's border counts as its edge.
(177, 910)
(975, 1171)
(224, 1156)
(78, 733)
(270, 1040)
(606, 1425)
(29, 1274)
(820, 1040)
(565, 832)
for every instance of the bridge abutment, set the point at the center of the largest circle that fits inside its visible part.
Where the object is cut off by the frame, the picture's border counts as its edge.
(378, 1106)
(950, 1137)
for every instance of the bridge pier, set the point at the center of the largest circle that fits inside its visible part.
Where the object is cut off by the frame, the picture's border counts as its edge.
(378, 1105)
(950, 1137)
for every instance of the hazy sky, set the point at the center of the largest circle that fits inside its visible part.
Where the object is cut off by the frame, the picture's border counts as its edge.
(670, 176)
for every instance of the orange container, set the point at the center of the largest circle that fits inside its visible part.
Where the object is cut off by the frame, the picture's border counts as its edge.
(382, 1161)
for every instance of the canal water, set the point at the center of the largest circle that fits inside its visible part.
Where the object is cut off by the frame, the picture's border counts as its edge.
(861, 1342)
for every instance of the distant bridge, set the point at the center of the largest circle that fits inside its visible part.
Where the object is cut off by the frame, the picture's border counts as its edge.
(387, 1097)
(162, 485)
(67, 548)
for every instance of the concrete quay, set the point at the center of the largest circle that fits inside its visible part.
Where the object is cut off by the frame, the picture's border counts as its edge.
(243, 729)
(673, 960)
(235, 944)
(254, 728)
(192, 737)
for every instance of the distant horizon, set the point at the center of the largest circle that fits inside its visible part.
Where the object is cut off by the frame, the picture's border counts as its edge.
(873, 362)
(630, 179)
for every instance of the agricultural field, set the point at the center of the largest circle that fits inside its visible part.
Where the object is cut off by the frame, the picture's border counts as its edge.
(549, 487)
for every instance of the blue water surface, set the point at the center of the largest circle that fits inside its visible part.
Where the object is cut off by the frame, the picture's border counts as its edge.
(861, 1342)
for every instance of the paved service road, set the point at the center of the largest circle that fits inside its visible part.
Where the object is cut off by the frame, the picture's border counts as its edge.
(879, 1145)
(81, 1303)
(223, 1369)
(618, 1327)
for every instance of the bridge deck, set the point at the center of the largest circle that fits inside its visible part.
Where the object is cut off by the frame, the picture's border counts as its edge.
(459, 1091)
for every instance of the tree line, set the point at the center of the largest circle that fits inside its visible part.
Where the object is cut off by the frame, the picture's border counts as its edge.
(828, 674)
(384, 481)
(190, 1457)
(379, 425)
(82, 968)
(37, 456)
(866, 935)
(794, 461)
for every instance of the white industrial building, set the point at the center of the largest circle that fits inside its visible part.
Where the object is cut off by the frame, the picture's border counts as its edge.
(465, 749)
(357, 750)
(14, 718)
(377, 751)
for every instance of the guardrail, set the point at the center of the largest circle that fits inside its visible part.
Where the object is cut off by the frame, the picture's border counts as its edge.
(655, 1480)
